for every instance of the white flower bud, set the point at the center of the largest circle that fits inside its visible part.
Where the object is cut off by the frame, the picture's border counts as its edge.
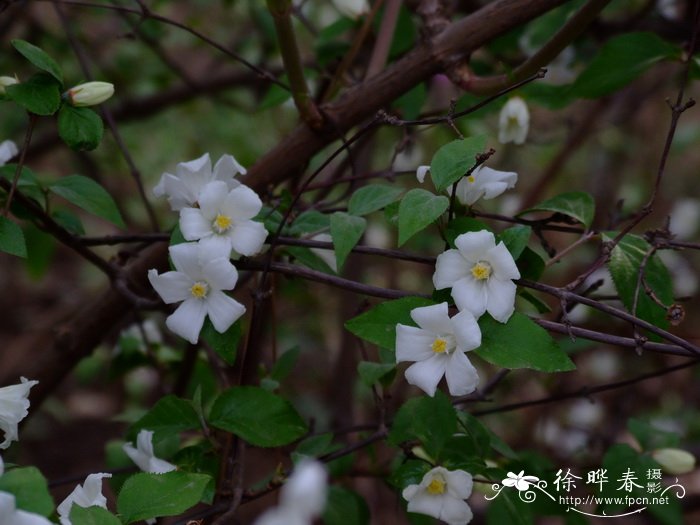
(89, 93)
(7, 81)
(674, 460)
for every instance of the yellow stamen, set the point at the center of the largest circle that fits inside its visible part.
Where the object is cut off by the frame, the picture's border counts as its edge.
(481, 270)
(439, 345)
(437, 486)
(222, 223)
(471, 179)
(199, 290)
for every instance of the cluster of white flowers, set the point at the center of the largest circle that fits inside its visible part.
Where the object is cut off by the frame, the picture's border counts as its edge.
(216, 211)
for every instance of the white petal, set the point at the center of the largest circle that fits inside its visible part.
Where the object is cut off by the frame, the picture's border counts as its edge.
(248, 237)
(200, 166)
(423, 503)
(212, 198)
(421, 172)
(179, 195)
(410, 492)
(242, 203)
(159, 466)
(488, 175)
(194, 225)
(216, 245)
(450, 267)
(467, 192)
(462, 378)
(413, 344)
(223, 310)
(138, 457)
(172, 287)
(466, 331)
(2, 466)
(455, 511)
(427, 374)
(8, 149)
(433, 318)
(188, 319)
(92, 488)
(304, 494)
(474, 245)
(186, 258)
(14, 407)
(493, 189)
(502, 262)
(226, 168)
(220, 274)
(22, 517)
(144, 442)
(470, 294)
(501, 299)
(459, 483)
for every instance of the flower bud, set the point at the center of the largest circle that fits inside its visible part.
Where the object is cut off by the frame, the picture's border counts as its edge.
(7, 81)
(89, 93)
(674, 460)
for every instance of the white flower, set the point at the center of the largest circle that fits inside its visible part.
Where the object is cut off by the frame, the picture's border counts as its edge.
(14, 407)
(183, 188)
(224, 218)
(89, 494)
(89, 93)
(674, 460)
(143, 454)
(438, 348)
(202, 272)
(9, 515)
(513, 122)
(303, 496)
(327, 256)
(480, 274)
(484, 183)
(421, 172)
(7, 81)
(8, 149)
(352, 8)
(519, 481)
(441, 494)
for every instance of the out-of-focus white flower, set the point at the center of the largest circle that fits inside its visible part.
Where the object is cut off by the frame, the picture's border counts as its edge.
(441, 494)
(202, 272)
(480, 274)
(513, 122)
(483, 183)
(183, 188)
(438, 348)
(352, 8)
(683, 275)
(89, 494)
(685, 218)
(421, 172)
(224, 219)
(8, 149)
(9, 515)
(137, 332)
(7, 81)
(327, 256)
(89, 93)
(302, 498)
(519, 481)
(670, 9)
(674, 460)
(14, 407)
(144, 456)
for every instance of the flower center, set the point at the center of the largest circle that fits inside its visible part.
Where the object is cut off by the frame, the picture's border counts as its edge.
(222, 223)
(199, 290)
(471, 179)
(481, 270)
(513, 122)
(436, 487)
(439, 345)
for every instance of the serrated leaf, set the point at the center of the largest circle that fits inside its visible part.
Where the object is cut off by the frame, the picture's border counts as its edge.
(516, 239)
(454, 159)
(345, 507)
(372, 198)
(378, 325)
(170, 415)
(39, 58)
(371, 372)
(88, 195)
(226, 344)
(418, 209)
(577, 204)
(346, 231)
(258, 416)
(80, 128)
(520, 343)
(39, 94)
(29, 488)
(11, 238)
(144, 496)
(92, 516)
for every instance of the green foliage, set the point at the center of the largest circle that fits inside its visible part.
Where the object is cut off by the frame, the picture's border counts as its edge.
(460, 225)
(39, 94)
(226, 344)
(30, 489)
(258, 416)
(170, 415)
(576, 204)
(88, 195)
(346, 231)
(92, 516)
(417, 210)
(69, 221)
(11, 238)
(28, 183)
(345, 507)
(372, 198)
(39, 58)
(453, 160)
(515, 239)
(650, 437)
(371, 372)
(145, 496)
(520, 343)
(285, 364)
(310, 221)
(530, 264)
(80, 128)
(378, 325)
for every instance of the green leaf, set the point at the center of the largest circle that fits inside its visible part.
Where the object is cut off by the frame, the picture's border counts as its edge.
(39, 94)
(90, 196)
(170, 415)
(378, 325)
(620, 61)
(285, 363)
(454, 159)
(226, 344)
(308, 258)
(30, 489)
(92, 516)
(346, 231)
(460, 225)
(530, 264)
(651, 437)
(310, 221)
(345, 507)
(520, 343)
(577, 204)
(69, 221)
(38, 57)
(431, 420)
(260, 417)
(80, 128)
(417, 210)
(145, 496)
(372, 198)
(625, 261)
(11, 238)
(371, 372)
(515, 239)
